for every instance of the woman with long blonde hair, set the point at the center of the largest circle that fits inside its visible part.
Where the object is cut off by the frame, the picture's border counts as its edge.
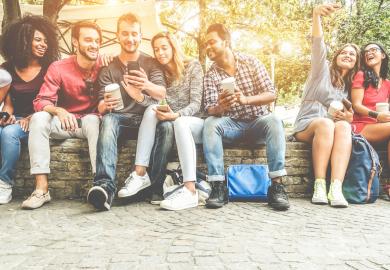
(322, 120)
(175, 122)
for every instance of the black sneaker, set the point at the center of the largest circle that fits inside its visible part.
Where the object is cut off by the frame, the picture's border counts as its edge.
(156, 199)
(218, 196)
(277, 197)
(100, 198)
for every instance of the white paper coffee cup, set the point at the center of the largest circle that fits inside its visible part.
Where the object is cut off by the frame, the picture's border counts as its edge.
(228, 84)
(115, 91)
(382, 107)
(334, 106)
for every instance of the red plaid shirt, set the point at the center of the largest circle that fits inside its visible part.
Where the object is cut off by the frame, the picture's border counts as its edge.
(251, 79)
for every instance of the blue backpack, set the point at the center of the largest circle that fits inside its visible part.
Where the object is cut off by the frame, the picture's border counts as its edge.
(361, 183)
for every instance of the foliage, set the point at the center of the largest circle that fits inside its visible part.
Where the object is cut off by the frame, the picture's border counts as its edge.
(369, 21)
(262, 28)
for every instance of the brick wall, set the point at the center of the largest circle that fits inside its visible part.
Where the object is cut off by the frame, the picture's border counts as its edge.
(71, 175)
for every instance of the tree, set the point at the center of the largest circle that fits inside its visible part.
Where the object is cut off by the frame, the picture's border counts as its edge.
(369, 21)
(11, 11)
(51, 8)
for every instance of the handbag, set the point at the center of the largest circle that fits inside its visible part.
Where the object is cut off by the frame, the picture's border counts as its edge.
(248, 182)
(174, 181)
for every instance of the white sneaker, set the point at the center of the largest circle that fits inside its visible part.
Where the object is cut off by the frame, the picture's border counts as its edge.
(335, 194)
(181, 199)
(5, 192)
(133, 184)
(36, 200)
(319, 195)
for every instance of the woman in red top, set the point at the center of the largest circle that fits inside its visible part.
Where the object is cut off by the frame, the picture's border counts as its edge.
(371, 86)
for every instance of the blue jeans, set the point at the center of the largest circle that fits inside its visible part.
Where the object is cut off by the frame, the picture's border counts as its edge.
(10, 137)
(268, 129)
(163, 144)
(113, 125)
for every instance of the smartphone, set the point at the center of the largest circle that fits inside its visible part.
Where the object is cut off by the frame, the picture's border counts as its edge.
(347, 104)
(132, 65)
(163, 108)
(4, 115)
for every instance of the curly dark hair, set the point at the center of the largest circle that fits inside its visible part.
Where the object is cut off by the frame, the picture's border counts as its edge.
(370, 77)
(17, 41)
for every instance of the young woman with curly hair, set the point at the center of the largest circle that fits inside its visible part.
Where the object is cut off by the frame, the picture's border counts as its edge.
(29, 46)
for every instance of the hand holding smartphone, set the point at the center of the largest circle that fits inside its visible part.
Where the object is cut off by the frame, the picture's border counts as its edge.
(347, 104)
(132, 65)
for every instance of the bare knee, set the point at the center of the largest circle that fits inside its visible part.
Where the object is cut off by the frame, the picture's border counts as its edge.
(324, 126)
(342, 128)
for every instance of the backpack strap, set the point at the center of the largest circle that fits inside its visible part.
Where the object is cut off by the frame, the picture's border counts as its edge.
(373, 165)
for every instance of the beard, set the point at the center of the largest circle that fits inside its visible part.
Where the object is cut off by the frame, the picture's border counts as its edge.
(85, 54)
(133, 49)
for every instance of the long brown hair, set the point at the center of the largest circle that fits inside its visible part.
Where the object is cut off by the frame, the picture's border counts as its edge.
(177, 57)
(335, 72)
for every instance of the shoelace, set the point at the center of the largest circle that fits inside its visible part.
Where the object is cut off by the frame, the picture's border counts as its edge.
(35, 194)
(317, 187)
(129, 179)
(176, 194)
(280, 192)
(337, 193)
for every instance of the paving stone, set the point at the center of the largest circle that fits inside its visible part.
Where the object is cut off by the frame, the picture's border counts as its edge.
(69, 234)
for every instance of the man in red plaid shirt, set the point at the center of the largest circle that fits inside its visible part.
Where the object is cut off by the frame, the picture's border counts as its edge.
(242, 116)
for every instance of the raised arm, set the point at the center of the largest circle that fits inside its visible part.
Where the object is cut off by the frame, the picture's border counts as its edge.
(322, 10)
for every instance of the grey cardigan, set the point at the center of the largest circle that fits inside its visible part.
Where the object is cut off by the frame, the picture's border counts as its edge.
(318, 91)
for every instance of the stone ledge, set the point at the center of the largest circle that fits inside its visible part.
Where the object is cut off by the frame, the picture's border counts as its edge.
(71, 175)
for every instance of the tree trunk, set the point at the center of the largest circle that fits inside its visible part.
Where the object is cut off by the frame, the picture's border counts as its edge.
(11, 11)
(202, 33)
(51, 9)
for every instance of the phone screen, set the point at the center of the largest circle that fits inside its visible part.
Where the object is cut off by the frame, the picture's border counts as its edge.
(132, 65)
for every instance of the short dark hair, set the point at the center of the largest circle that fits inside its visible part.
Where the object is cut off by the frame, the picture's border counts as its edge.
(130, 18)
(17, 41)
(221, 30)
(85, 24)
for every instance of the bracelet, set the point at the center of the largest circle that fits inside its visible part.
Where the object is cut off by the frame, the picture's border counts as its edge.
(373, 114)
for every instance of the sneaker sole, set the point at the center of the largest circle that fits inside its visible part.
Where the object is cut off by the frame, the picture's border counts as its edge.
(32, 208)
(319, 202)
(128, 195)
(280, 206)
(6, 201)
(214, 205)
(155, 202)
(179, 208)
(98, 199)
(338, 205)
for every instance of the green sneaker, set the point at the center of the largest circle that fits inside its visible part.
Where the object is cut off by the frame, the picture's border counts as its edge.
(319, 195)
(336, 196)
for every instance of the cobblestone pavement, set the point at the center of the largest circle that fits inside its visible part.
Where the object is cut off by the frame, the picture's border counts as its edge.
(71, 235)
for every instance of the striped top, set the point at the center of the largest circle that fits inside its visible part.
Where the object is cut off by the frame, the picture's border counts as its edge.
(185, 96)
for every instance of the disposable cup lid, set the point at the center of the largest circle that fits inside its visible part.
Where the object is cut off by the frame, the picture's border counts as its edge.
(228, 80)
(111, 87)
